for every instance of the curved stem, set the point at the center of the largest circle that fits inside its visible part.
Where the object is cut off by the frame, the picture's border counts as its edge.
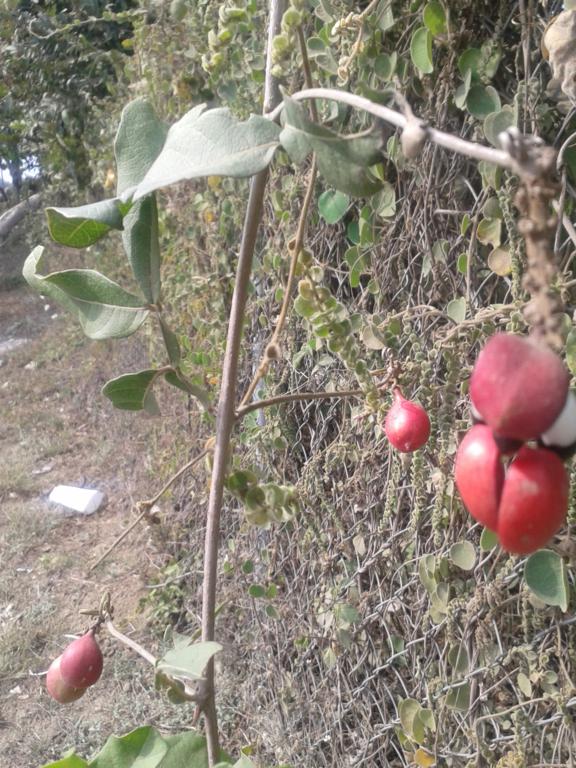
(447, 140)
(294, 398)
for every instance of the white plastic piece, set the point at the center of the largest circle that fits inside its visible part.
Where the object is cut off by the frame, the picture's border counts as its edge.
(85, 501)
(563, 432)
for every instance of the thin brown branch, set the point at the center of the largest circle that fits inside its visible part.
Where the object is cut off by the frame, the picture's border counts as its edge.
(145, 506)
(294, 398)
(226, 416)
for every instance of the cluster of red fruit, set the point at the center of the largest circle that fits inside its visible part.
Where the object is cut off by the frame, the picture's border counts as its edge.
(519, 394)
(75, 670)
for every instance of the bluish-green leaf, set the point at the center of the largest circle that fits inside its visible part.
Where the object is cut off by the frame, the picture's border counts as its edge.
(545, 574)
(343, 162)
(139, 141)
(497, 122)
(133, 391)
(333, 205)
(456, 309)
(482, 101)
(421, 50)
(104, 309)
(142, 247)
(210, 143)
(83, 225)
(188, 661)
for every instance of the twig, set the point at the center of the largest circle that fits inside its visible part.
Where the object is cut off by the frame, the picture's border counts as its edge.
(145, 506)
(197, 693)
(130, 643)
(451, 142)
(295, 247)
(294, 397)
(226, 416)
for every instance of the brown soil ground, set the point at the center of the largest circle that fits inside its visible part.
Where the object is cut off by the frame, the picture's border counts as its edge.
(56, 428)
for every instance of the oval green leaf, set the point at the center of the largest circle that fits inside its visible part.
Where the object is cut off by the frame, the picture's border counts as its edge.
(545, 574)
(421, 50)
(332, 205)
(463, 554)
(435, 18)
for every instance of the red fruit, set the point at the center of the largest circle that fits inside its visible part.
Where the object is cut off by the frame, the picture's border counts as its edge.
(407, 425)
(518, 386)
(534, 500)
(57, 688)
(82, 662)
(480, 475)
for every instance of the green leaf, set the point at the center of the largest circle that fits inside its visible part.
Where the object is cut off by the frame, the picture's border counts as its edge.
(571, 351)
(384, 202)
(497, 122)
(456, 309)
(342, 161)
(256, 591)
(488, 540)
(384, 15)
(523, 682)
(435, 18)
(140, 238)
(459, 660)
(385, 65)
(68, 761)
(459, 697)
(407, 711)
(489, 232)
(139, 141)
(146, 748)
(210, 143)
(133, 391)
(461, 93)
(500, 261)
(104, 309)
(272, 613)
(81, 226)
(421, 50)
(142, 748)
(188, 661)
(482, 100)
(462, 263)
(170, 342)
(463, 554)
(332, 205)
(469, 61)
(545, 574)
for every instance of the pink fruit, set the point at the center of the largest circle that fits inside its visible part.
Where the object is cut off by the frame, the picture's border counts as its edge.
(480, 475)
(57, 688)
(534, 500)
(82, 662)
(518, 386)
(407, 425)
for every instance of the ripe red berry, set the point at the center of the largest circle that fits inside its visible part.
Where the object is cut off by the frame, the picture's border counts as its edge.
(407, 425)
(518, 386)
(61, 691)
(534, 500)
(82, 662)
(479, 475)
